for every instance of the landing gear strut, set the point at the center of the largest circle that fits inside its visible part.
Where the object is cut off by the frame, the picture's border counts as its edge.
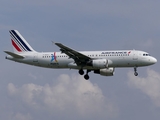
(135, 71)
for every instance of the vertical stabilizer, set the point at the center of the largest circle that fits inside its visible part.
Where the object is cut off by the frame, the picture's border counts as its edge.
(20, 45)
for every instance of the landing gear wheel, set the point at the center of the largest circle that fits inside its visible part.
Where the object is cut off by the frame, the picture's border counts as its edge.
(81, 72)
(86, 76)
(136, 74)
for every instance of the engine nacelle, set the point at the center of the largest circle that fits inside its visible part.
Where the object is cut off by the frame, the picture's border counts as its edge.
(105, 72)
(101, 63)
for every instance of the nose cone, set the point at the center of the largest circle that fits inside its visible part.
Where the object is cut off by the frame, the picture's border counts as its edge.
(153, 60)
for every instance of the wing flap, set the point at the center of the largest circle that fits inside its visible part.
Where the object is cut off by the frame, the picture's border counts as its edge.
(14, 55)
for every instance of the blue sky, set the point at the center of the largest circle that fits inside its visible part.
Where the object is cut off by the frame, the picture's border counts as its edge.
(29, 92)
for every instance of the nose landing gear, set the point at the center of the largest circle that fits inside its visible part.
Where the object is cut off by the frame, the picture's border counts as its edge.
(135, 71)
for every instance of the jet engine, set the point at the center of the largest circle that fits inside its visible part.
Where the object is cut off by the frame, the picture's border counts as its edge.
(100, 63)
(105, 72)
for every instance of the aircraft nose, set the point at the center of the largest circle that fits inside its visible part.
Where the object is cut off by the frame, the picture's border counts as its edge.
(153, 60)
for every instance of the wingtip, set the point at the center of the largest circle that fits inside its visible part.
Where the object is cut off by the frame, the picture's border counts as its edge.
(54, 43)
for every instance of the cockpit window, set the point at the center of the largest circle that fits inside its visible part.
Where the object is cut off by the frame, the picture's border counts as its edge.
(146, 54)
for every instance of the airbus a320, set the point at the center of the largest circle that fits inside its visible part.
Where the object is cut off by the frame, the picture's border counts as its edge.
(100, 62)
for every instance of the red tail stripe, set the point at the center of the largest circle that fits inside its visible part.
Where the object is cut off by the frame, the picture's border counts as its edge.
(17, 48)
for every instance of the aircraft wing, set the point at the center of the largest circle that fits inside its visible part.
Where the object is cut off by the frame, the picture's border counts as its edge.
(79, 58)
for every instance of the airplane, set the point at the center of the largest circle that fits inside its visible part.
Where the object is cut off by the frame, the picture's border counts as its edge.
(100, 62)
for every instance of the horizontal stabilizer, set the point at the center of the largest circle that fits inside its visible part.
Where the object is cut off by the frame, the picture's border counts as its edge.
(14, 55)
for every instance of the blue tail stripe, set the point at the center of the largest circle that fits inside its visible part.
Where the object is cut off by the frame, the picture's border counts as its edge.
(20, 40)
(17, 40)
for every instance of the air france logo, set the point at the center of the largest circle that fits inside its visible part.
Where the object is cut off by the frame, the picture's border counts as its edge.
(53, 57)
(129, 52)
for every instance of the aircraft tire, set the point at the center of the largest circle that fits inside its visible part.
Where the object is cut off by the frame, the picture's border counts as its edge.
(136, 74)
(86, 76)
(81, 72)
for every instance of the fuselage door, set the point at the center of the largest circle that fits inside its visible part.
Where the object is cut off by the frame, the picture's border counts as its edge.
(35, 57)
(135, 55)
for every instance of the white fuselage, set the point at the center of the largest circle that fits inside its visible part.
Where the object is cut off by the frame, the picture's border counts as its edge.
(122, 58)
(100, 62)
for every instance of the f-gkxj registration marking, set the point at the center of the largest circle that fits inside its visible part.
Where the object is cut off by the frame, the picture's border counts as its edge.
(100, 62)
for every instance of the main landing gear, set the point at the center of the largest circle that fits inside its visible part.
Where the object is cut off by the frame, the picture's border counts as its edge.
(86, 76)
(135, 71)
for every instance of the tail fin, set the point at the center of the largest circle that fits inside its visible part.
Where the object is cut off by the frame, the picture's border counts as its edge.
(20, 45)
